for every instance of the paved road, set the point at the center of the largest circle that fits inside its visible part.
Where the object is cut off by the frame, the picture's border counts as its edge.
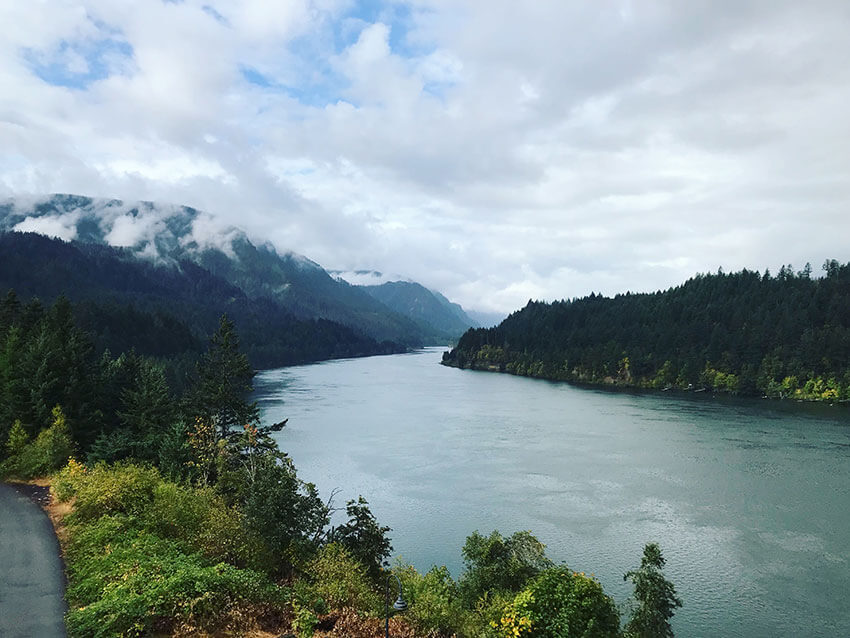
(32, 583)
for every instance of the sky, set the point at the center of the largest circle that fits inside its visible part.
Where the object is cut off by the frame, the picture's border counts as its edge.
(495, 151)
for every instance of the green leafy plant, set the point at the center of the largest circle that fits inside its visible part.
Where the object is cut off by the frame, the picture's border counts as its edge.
(655, 595)
(47, 453)
(494, 563)
(342, 581)
(364, 537)
(434, 600)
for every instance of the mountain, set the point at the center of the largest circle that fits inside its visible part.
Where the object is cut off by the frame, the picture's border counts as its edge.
(166, 309)
(742, 333)
(171, 235)
(430, 310)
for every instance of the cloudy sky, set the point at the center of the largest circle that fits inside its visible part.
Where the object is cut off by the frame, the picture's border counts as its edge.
(496, 151)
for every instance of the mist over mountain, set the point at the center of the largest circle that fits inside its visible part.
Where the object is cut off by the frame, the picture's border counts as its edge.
(166, 311)
(171, 236)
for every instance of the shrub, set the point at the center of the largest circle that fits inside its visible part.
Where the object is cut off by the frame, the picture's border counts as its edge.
(46, 454)
(494, 563)
(560, 603)
(124, 488)
(66, 481)
(139, 583)
(201, 519)
(286, 513)
(304, 621)
(364, 538)
(435, 605)
(17, 439)
(342, 581)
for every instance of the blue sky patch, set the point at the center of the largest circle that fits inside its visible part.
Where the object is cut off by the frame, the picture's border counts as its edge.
(77, 65)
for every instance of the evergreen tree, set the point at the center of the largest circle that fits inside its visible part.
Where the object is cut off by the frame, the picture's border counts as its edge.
(655, 595)
(223, 383)
(58, 368)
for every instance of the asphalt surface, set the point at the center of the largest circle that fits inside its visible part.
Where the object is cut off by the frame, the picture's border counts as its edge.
(32, 581)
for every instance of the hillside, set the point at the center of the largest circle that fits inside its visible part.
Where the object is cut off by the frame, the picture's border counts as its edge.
(167, 234)
(742, 333)
(430, 310)
(165, 309)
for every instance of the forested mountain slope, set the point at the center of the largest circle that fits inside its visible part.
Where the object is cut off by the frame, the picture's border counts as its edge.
(167, 234)
(166, 309)
(430, 310)
(743, 333)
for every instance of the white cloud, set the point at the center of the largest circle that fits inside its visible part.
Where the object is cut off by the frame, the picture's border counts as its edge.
(61, 226)
(494, 152)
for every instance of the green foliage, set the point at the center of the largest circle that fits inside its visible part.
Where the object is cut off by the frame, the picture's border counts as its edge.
(47, 453)
(433, 598)
(224, 380)
(304, 621)
(560, 603)
(740, 333)
(497, 564)
(363, 537)
(123, 488)
(145, 555)
(655, 595)
(129, 582)
(286, 513)
(137, 404)
(201, 519)
(17, 439)
(341, 581)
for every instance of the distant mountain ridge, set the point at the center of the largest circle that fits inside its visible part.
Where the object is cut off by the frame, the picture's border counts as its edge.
(423, 306)
(169, 235)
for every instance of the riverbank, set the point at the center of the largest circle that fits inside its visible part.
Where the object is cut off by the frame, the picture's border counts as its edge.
(816, 390)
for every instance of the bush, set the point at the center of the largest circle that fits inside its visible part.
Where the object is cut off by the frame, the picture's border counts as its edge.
(201, 519)
(17, 439)
(304, 621)
(66, 481)
(364, 538)
(129, 582)
(341, 581)
(124, 488)
(560, 603)
(46, 454)
(434, 600)
(287, 514)
(494, 563)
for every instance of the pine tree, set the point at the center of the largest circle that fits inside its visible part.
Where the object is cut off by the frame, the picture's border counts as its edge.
(223, 383)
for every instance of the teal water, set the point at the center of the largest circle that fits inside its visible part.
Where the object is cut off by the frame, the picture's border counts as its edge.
(749, 500)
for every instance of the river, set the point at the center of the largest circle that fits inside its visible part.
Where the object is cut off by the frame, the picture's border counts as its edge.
(749, 499)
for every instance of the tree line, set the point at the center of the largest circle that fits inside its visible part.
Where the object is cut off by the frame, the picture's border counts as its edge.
(782, 336)
(167, 310)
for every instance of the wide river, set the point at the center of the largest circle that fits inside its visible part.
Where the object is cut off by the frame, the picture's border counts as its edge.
(749, 500)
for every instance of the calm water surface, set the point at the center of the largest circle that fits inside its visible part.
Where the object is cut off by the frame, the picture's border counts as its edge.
(749, 500)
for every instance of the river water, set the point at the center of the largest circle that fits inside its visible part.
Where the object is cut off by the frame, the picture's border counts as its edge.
(749, 500)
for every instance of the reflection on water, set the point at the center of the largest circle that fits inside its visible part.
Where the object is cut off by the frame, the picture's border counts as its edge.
(748, 499)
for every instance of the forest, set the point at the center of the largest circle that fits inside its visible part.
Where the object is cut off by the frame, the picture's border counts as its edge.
(184, 517)
(166, 311)
(745, 333)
